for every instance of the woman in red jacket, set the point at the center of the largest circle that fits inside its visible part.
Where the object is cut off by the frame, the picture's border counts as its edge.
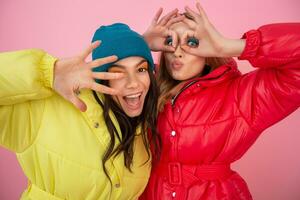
(210, 113)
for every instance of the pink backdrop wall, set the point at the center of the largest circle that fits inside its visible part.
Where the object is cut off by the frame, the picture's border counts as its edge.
(63, 28)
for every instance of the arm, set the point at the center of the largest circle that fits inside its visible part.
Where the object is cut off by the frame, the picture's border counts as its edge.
(25, 75)
(28, 77)
(270, 93)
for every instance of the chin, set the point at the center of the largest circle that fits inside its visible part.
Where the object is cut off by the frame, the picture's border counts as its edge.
(133, 113)
(178, 77)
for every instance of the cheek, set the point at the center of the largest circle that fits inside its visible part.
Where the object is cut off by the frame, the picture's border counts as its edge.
(193, 67)
(146, 82)
(195, 63)
(167, 57)
(116, 84)
(195, 60)
(143, 81)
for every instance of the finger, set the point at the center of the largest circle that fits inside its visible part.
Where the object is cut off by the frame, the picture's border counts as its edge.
(190, 11)
(190, 50)
(186, 35)
(78, 103)
(103, 89)
(167, 17)
(107, 75)
(174, 20)
(89, 50)
(102, 61)
(173, 34)
(157, 16)
(191, 24)
(195, 15)
(168, 48)
(201, 10)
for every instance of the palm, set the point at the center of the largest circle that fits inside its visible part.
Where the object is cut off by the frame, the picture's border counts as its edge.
(158, 31)
(156, 34)
(210, 43)
(73, 74)
(210, 40)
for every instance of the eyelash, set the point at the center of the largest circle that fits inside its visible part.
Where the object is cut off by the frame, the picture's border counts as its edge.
(143, 68)
(168, 40)
(193, 40)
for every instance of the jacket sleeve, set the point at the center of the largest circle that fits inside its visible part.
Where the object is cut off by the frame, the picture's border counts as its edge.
(25, 75)
(26, 78)
(272, 91)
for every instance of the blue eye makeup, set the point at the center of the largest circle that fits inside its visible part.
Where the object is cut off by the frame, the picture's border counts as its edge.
(193, 42)
(169, 41)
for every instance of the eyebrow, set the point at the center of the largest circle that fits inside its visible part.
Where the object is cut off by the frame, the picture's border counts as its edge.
(122, 66)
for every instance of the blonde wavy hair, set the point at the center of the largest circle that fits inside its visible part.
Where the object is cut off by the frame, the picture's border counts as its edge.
(168, 87)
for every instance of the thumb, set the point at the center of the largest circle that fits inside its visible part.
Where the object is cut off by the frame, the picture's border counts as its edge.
(168, 48)
(190, 50)
(78, 103)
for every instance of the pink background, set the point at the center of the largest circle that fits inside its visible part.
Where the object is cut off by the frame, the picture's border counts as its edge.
(63, 28)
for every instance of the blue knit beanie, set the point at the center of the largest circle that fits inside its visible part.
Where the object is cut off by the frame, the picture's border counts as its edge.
(118, 39)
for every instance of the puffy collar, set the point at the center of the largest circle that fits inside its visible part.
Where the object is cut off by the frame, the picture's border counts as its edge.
(217, 76)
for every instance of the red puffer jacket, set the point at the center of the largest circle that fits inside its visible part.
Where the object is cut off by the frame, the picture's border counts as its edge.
(214, 120)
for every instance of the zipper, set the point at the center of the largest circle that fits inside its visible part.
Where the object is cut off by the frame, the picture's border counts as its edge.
(182, 89)
(173, 99)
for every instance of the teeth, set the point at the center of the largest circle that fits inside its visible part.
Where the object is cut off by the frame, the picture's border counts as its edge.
(134, 95)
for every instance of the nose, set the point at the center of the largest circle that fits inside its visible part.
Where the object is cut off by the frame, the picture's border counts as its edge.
(178, 52)
(132, 81)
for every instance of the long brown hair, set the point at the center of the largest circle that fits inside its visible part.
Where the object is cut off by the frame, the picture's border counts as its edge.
(147, 120)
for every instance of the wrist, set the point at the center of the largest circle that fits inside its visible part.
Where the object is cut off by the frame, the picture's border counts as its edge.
(57, 71)
(56, 68)
(233, 47)
(47, 69)
(148, 41)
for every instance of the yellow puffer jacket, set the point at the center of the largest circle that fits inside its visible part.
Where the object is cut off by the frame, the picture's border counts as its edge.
(60, 148)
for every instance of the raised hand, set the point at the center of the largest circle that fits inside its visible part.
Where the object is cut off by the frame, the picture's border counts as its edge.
(73, 74)
(210, 42)
(158, 31)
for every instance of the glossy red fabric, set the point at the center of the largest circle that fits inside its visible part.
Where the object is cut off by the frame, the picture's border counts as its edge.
(216, 118)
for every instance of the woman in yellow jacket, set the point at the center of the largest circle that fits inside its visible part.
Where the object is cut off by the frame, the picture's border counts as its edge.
(101, 153)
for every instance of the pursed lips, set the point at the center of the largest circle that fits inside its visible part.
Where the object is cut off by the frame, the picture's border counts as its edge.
(176, 64)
